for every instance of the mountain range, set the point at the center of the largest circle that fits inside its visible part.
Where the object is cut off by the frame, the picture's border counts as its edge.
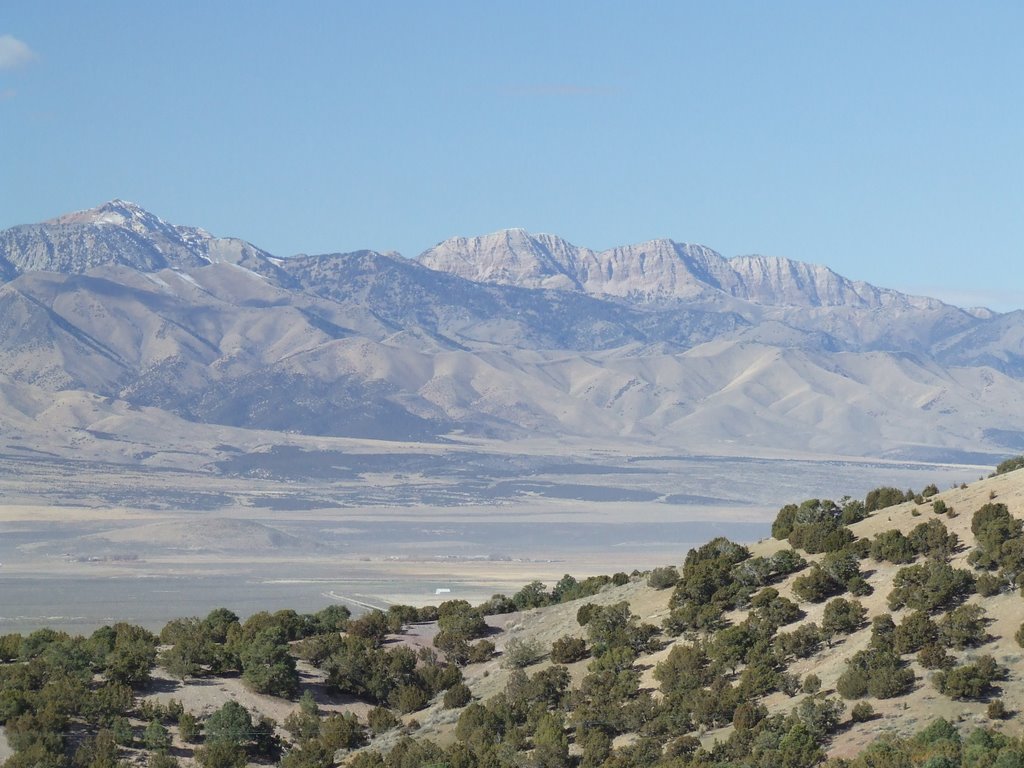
(112, 319)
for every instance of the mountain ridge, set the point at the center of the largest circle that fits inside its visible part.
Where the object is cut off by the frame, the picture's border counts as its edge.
(659, 341)
(652, 270)
(541, 260)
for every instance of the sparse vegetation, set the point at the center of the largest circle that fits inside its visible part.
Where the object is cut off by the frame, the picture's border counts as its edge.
(736, 659)
(1009, 465)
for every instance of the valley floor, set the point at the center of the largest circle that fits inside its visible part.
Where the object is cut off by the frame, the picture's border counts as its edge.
(83, 546)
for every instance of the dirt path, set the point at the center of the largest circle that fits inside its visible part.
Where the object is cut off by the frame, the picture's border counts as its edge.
(5, 750)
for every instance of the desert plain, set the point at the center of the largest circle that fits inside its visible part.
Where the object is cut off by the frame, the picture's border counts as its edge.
(371, 523)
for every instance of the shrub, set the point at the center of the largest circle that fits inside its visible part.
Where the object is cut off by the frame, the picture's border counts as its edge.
(930, 586)
(820, 715)
(990, 584)
(816, 585)
(842, 565)
(1000, 541)
(613, 626)
(964, 627)
(970, 681)
(748, 714)
(221, 754)
(520, 653)
(381, 719)
(408, 698)
(862, 712)
(1019, 636)
(333, 618)
(789, 683)
(933, 539)
(916, 631)
(821, 537)
(10, 647)
(188, 727)
(663, 578)
(584, 613)
(811, 684)
(880, 498)
(692, 616)
(458, 618)
(480, 651)
(894, 547)
(783, 523)
(457, 696)
(803, 642)
(231, 723)
(342, 731)
(267, 665)
(883, 630)
(934, 656)
(454, 647)
(160, 760)
(815, 526)
(859, 587)
(498, 604)
(785, 562)
(877, 672)
(710, 583)
(567, 649)
(372, 625)
(533, 595)
(156, 737)
(842, 616)
(853, 511)
(773, 611)
(686, 668)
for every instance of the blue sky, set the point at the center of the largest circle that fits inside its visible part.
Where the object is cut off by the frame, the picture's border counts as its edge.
(885, 140)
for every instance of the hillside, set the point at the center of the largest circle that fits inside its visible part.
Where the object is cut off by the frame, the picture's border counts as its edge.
(902, 715)
(895, 646)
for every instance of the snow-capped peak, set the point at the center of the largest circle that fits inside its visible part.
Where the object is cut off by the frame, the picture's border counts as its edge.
(118, 213)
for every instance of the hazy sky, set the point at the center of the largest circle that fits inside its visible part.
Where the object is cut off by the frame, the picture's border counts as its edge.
(885, 140)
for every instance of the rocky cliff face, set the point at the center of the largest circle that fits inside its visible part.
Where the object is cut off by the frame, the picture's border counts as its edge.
(657, 270)
(510, 257)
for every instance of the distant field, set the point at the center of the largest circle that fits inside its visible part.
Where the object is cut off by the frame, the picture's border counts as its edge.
(374, 539)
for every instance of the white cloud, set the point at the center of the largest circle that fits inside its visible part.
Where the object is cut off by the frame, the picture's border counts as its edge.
(14, 53)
